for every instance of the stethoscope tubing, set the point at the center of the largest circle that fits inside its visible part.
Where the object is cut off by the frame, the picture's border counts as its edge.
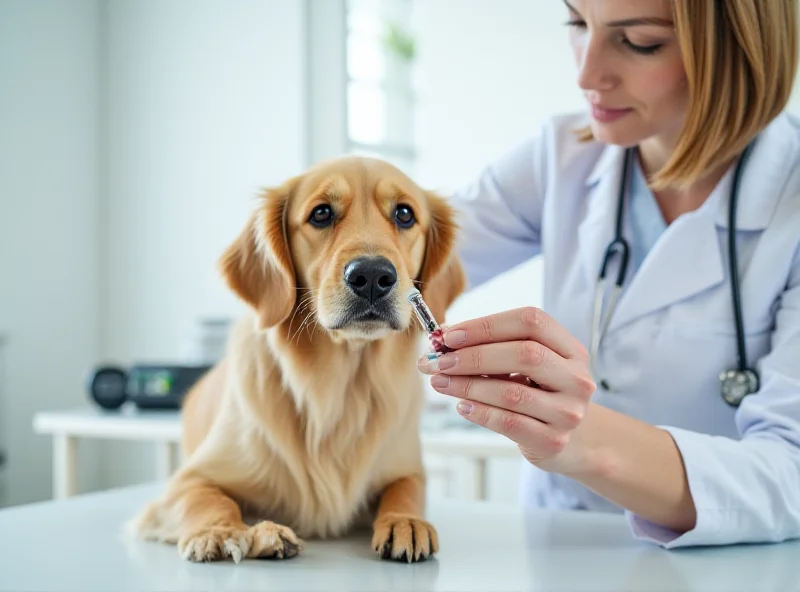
(619, 246)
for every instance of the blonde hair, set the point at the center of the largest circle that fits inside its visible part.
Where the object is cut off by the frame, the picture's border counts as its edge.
(740, 58)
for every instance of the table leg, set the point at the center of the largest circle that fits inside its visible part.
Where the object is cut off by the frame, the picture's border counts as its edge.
(479, 479)
(64, 466)
(165, 459)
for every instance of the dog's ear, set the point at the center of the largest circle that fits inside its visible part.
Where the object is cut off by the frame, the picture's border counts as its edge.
(442, 277)
(258, 266)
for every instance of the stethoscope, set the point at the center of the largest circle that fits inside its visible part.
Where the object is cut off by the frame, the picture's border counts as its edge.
(735, 384)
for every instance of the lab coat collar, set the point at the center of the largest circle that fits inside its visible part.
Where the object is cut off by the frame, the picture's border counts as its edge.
(610, 160)
(765, 172)
(686, 259)
(764, 176)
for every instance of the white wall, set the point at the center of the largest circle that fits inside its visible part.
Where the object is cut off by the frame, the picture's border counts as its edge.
(206, 106)
(48, 224)
(488, 73)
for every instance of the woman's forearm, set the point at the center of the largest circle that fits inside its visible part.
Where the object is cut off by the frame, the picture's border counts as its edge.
(635, 465)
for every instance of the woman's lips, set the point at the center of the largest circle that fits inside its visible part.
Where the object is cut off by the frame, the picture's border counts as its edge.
(607, 115)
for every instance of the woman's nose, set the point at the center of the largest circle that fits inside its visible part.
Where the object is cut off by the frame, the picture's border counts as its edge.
(594, 69)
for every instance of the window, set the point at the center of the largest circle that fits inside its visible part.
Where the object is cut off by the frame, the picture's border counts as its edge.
(380, 98)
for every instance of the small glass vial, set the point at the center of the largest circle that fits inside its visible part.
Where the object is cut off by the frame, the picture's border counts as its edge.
(428, 322)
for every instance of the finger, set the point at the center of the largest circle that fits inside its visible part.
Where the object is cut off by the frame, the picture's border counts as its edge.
(540, 439)
(528, 358)
(561, 412)
(527, 323)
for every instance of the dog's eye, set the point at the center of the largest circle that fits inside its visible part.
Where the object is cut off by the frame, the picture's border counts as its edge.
(321, 216)
(404, 216)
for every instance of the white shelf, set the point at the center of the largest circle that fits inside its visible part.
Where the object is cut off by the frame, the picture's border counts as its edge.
(444, 439)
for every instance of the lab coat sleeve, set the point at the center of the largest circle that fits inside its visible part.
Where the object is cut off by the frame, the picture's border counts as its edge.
(499, 213)
(748, 490)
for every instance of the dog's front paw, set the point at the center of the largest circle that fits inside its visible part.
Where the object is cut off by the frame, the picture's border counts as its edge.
(275, 541)
(404, 537)
(216, 543)
(265, 539)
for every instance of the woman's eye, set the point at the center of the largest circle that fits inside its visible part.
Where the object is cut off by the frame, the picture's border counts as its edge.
(643, 49)
(404, 216)
(321, 216)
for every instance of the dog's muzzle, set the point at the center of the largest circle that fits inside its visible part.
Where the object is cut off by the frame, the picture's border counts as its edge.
(371, 282)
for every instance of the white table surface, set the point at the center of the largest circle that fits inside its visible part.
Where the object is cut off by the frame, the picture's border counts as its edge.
(76, 545)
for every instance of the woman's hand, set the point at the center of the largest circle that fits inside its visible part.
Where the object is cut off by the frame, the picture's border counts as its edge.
(627, 461)
(520, 374)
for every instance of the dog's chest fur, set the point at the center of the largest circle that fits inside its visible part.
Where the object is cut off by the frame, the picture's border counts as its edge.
(333, 427)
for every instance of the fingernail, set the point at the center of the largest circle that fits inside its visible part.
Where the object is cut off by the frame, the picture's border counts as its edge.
(446, 361)
(440, 381)
(464, 408)
(455, 337)
(428, 362)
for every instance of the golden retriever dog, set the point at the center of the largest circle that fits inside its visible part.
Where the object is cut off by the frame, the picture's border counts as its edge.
(309, 425)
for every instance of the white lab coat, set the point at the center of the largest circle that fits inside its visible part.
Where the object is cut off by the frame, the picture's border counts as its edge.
(673, 330)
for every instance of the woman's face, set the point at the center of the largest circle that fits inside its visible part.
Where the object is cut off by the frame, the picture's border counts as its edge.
(630, 69)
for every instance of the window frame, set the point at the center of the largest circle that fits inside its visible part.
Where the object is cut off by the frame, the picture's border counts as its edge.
(328, 82)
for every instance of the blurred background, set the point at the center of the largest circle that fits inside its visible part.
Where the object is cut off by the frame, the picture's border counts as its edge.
(134, 135)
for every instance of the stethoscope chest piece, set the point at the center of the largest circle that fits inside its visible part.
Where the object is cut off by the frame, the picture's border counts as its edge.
(737, 384)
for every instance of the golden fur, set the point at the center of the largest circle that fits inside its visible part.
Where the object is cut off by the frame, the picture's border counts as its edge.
(308, 429)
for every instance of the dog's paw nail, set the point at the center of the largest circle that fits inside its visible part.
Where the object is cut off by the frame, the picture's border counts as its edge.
(232, 549)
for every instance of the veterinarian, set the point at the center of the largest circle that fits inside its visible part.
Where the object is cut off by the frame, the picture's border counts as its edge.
(674, 205)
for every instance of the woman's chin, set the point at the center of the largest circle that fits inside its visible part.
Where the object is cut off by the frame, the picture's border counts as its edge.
(616, 134)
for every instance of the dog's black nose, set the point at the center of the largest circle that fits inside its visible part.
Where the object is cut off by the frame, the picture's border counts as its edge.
(371, 278)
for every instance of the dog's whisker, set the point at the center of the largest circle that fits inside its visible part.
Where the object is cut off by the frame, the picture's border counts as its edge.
(298, 328)
(294, 314)
(296, 333)
(305, 305)
(305, 301)
(303, 323)
(314, 326)
(300, 331)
